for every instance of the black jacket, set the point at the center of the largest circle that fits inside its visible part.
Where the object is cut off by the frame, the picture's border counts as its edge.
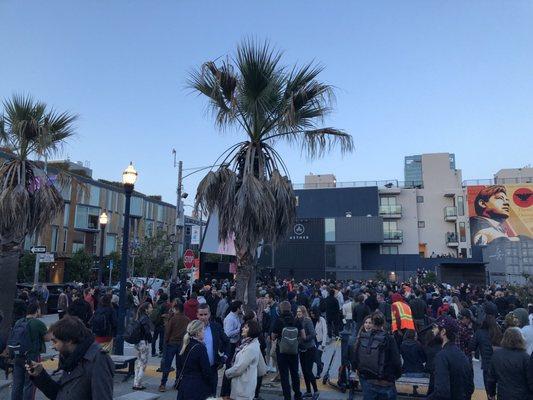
(418, 308)
(481, 342)
(413, 356)
(359, 313)
(454, 378)
(508, 375)
(332, 307)
(111, 317)
(81, 309)
(220, 341)
(146, 328)
(197, 378)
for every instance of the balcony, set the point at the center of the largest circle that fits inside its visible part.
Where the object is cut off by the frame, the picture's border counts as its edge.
(450, 214)
(393, 236)
(390, 211)
(451, 239)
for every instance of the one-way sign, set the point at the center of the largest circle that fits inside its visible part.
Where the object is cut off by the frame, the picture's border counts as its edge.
(38, 249)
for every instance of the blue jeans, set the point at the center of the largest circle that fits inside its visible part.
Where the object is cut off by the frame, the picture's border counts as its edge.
(23, 388)
(171, 352)
(377, 392)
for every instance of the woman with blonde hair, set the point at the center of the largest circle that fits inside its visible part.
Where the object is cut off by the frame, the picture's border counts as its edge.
(193, 371)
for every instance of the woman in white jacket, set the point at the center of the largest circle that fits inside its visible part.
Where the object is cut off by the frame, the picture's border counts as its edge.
(248, 363)
(321, 329)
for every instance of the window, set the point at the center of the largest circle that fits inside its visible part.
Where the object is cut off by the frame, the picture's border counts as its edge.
(54, 237)
(297, 201)
(136, 206)
(65, 239)
(387, 200)
(66, 214)
(460, 206)
(149, 228)
(385, 249)
(329, 225)
(94, 199)
(462, 232)
(390, 226)
(419, 199)
(86, 217)
(109, 200)
(421, 224)
(110, 244)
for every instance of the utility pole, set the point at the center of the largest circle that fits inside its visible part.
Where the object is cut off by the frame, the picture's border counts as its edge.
(178, 231)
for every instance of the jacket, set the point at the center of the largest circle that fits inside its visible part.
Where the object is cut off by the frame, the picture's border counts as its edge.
(111, 320)
(175, 328)
(481, 342)
(190, 309)
(332, 307)
(359, 313)
(197, 378)
(220, 341)
(413, 356)
(418, 308)
(249, 364)
(91, 379)
(321, 329)
(310, 335)
(454, 378)
(81, 309)
(146, 328)
(508, 375)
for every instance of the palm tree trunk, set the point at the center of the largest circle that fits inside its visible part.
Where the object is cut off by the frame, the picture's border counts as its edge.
(9, 263)
(245, 286)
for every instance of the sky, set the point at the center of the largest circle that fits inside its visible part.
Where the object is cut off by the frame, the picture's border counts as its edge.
(411, 77)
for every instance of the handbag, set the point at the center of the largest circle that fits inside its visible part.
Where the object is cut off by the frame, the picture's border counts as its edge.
(178, 380)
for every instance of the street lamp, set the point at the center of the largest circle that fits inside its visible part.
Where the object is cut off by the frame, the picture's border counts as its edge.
(129, 177)
(103, 219)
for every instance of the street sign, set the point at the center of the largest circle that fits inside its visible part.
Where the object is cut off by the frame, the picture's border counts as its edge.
(188, 258)
(46, 257)
(38, 249)
(111, 264)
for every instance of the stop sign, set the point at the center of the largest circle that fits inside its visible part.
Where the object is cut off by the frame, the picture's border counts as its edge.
(188, 258)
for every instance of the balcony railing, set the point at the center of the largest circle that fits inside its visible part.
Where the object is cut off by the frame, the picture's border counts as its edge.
(451, 239)
(390, 211)
(393, 236)
(393, 183)
(450, 213)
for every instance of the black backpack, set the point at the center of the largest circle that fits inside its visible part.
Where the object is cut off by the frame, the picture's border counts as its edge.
(371, 353)
(100, 323)
(133, 333)
(19, 342)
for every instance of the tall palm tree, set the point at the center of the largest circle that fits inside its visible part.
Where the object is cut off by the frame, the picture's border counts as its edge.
(268, 103)
(28, 197)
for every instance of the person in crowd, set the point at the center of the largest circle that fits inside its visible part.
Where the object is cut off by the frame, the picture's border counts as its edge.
(45, 296)
(62, 303)
(307, 351)
(35, 331)
(20, 307)
(508, 377)
(191, 307)
(216, 343)
(484, 340)
(402, 316)
(252, 316)
(194, 380)
(347, 308)
(89, 298)
(332, 314)
(454, 378)
(287, 331)
(377, 360)
(222, 308)
(371, 301)
(142, 348)
(87, 369)
(104, 323)
(384, 308)
(527, 331)
(158, 317)
(413, 355)
(232, 329)
(175, 329)
(456, 306)
(360, 311)
(321, 330)
(466, 332)
(248, 363)
(80, 308)
(432, 344)
(419, 309)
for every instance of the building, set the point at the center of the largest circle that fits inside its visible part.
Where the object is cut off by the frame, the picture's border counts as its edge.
(77, 227)
(320, 181)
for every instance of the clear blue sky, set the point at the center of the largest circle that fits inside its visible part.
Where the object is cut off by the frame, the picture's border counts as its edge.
(412, 77)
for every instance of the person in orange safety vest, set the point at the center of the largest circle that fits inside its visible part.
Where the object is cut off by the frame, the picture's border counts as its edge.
(402, 317)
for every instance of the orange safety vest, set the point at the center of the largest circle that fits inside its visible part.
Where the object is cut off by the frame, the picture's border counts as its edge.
(402, 311)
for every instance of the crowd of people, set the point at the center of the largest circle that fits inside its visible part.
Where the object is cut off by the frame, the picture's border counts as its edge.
(211, 340)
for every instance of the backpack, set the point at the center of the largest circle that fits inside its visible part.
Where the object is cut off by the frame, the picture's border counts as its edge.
(19, 342)
(371, 353)
(133, 332)
(288, 343)
(100, 323)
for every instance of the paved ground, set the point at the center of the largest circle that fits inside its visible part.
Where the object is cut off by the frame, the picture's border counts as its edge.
(269, 392)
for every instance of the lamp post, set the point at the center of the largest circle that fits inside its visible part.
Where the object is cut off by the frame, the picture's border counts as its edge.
(129, 177)
(103, 219)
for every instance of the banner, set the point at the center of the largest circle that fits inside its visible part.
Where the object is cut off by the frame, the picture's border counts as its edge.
(195, 234)
(500, 212)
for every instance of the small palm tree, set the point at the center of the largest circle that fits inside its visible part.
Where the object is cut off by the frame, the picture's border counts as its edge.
(28, 198)
(251, 191)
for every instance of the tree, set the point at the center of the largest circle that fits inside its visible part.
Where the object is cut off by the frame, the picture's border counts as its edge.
(28, 197)
(155, 256)
(268, 103)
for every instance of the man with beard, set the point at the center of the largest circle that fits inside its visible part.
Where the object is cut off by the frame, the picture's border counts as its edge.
(87, 369)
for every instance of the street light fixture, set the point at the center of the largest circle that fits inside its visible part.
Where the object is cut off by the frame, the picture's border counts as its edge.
(129, 177)
(103, 220)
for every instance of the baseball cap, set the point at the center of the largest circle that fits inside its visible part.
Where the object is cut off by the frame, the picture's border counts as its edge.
(448, 323)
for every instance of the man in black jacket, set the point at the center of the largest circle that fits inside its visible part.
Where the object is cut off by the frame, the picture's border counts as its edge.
(359, 312)
(378, 383)
(80, 308)
(419, 309)
(454, 378)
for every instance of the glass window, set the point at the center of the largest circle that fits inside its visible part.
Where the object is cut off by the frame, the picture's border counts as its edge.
(81, 218)
(419, 199)
(460, 206)
(110, 244)
(77, 247)
(390, 226)
(387, 201)
(331, 261)
(421, 224)
(329, 224)
(66, 214)
(54, 237)
(136, 206)
(65, 239)
(160, 214)
(109, 200)
(94, 200)
(149, 228)
(385, 249)
(462, 232)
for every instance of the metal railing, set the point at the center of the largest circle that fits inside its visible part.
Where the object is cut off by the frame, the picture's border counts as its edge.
(395, 209)
(451, 237)
(450, 212)
(498, 181)
(393, 235)
(393, 183)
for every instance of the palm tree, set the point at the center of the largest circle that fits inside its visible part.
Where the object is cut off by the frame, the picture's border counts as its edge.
(268, 103)
(28, 197)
